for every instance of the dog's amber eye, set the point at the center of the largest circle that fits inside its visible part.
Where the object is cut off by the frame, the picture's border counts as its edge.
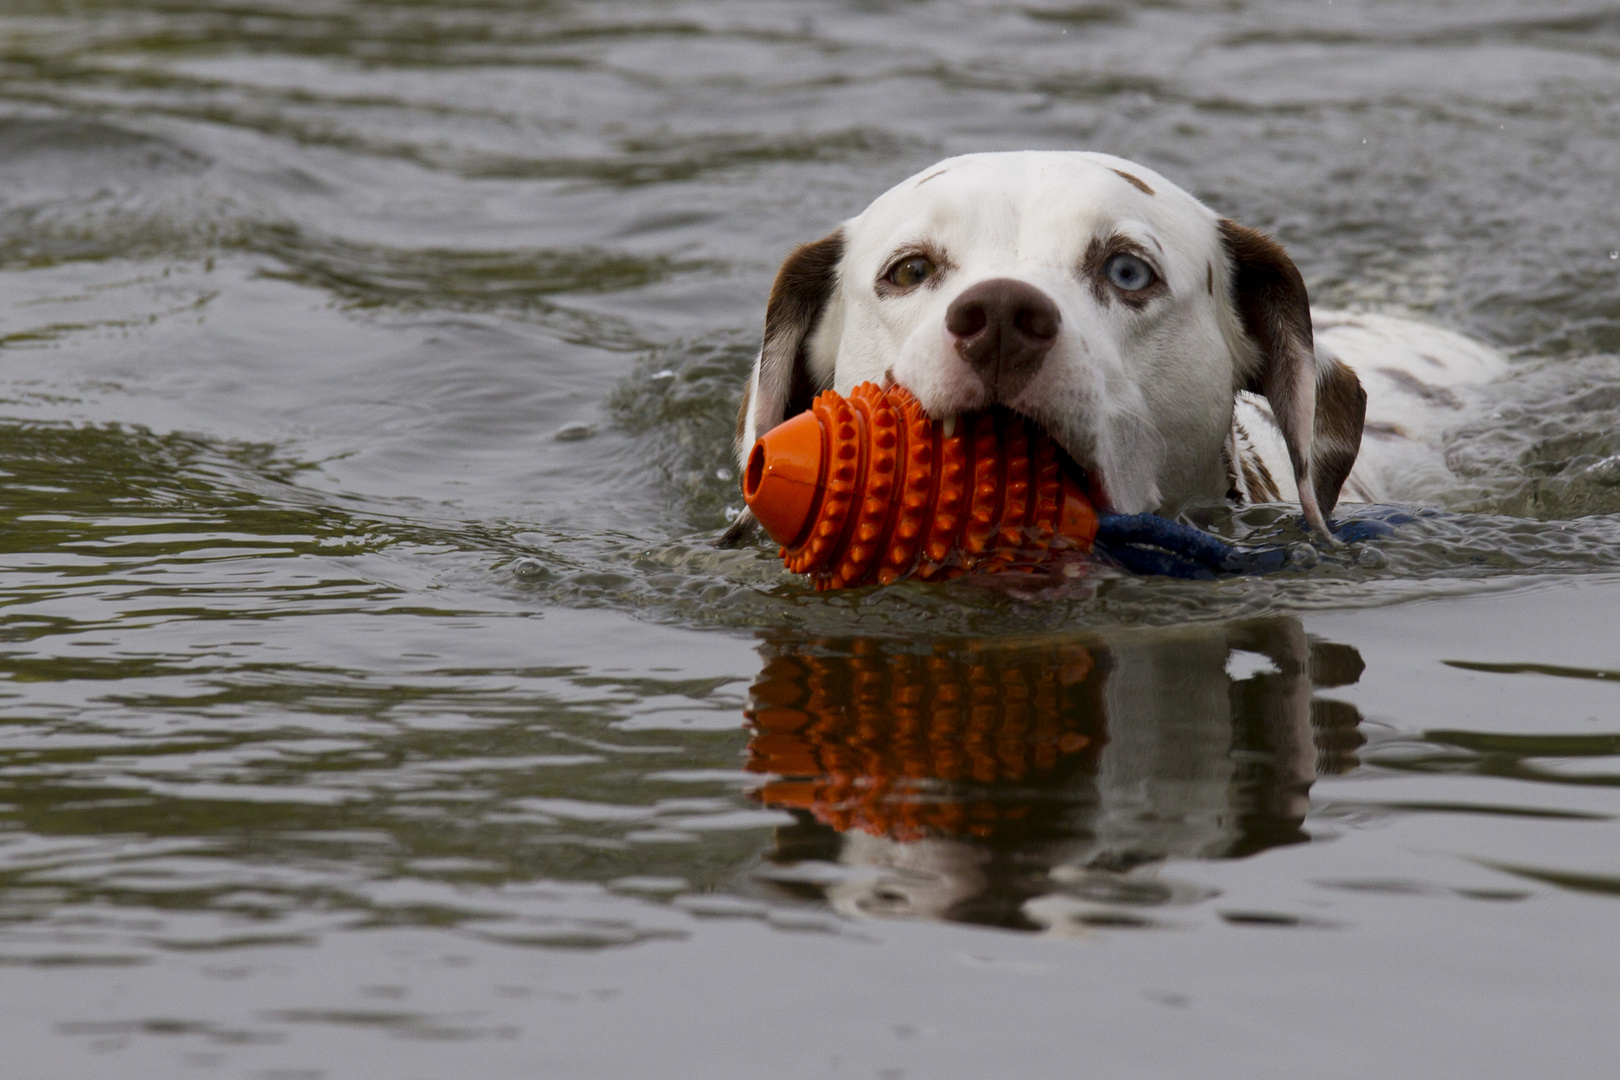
(909, 272)
(1128, 272)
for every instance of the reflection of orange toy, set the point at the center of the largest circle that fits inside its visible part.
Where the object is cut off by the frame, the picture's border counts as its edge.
(906, 746)
(867, 489)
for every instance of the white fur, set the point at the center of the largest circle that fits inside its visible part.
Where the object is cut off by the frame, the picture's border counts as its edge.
(1421, 380)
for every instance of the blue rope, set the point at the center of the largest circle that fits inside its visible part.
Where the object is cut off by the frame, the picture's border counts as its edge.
(1149, 544)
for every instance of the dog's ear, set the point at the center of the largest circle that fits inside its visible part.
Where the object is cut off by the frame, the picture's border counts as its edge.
(784, 381)
(1318, 406)
(1341, 410)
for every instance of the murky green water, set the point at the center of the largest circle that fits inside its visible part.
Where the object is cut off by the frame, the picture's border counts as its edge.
(375, 706)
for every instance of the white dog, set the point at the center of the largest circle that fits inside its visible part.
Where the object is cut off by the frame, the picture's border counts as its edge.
(1172, 353)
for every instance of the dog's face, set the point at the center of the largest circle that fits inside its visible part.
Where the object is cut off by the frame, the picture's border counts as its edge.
(1081, 290)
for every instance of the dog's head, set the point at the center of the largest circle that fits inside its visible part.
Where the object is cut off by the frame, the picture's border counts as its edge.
(1081, 290)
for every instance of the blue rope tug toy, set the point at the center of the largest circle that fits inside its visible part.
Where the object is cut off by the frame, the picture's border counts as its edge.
(1149, 544)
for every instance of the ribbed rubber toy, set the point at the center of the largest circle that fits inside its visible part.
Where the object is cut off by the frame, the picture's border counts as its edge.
(868, 490)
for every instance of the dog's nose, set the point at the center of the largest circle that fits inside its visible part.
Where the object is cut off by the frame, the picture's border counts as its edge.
(1003, 328)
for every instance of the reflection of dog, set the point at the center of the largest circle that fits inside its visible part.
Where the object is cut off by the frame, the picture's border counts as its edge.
(951, 781)
(1172, 353)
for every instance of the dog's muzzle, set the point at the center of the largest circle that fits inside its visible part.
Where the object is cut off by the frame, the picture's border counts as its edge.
(1003, 328)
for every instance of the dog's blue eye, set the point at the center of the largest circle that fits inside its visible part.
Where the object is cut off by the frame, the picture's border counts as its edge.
(912, 271)
(1128, 272)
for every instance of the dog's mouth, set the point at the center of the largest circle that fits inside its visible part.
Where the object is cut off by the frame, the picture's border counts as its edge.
(1080, 467)
(1083, 472)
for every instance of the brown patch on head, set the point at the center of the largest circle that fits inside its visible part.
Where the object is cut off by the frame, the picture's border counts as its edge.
(1269, 296)
(799, 295)
(1135, 182)
(1209, 278)
(1092, 265)
(1431, 394)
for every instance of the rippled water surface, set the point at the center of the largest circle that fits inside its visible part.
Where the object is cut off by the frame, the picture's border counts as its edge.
(375, 704)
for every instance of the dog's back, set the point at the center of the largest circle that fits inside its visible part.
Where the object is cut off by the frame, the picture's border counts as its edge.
(1421, 380)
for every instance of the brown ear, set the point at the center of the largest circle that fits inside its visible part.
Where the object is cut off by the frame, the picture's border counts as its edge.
(1341, 409)
(1269, 296)
(783, 383)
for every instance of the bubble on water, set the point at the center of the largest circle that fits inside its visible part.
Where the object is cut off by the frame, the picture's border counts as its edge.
(575, 432)
(1370, 558)
(528, 568)
(1302, 556)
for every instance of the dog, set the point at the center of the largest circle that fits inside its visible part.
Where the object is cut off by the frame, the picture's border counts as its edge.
(1171, 352)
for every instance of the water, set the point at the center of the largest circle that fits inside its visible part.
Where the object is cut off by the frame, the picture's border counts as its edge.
(375, 705)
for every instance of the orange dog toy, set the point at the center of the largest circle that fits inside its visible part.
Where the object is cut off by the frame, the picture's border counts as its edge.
(868, 490)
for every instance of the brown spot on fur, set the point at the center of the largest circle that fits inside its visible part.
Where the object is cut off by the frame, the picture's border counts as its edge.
(1380, 429)
(1438, 396)
(930, 176)
(1260, 481)
(1209, 278)
(1135, 182)
(1435, 360)
(1330, 322)
(1248, 479)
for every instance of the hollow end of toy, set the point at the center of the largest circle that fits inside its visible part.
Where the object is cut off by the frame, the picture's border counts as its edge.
(784, 477)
